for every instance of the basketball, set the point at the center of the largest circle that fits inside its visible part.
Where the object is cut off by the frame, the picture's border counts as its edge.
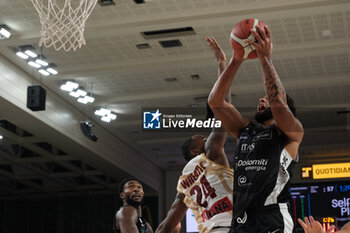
(240, 33)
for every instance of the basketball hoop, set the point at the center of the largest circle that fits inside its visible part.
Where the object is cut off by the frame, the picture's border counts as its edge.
(63, 24)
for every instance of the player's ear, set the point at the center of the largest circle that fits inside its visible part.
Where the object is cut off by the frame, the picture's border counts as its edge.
(122, 195)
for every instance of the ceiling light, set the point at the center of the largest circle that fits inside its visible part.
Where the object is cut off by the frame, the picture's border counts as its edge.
(36, 65)
(72, 84)
(74, 94)
(102, 112)
(4, 32)
(69, 86)
(30, 53)
(106, 115)
(52, 71)
(112, 116)
(82, 100)
(81, 92)
(65, 87)
(99, 113)
(41, 62)
(44, 72)
(106, 119)
(89, 99)
(1, 137)
(22, 55)
(28, 50)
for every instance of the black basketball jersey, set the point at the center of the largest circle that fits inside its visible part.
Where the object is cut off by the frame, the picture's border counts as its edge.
(262, 168)
(141, 226)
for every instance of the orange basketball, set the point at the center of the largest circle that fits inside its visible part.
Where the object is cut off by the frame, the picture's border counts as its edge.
(240, 33)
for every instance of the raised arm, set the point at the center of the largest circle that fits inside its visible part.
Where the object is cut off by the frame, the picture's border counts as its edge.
(220, 99)
(219, 54)
(126, 220)
(214, 146)
(174, 216)
(275, 92)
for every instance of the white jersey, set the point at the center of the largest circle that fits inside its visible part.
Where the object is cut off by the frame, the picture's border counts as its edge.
(207, 187)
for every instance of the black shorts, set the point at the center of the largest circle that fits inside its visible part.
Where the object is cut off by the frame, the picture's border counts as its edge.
(271, 219)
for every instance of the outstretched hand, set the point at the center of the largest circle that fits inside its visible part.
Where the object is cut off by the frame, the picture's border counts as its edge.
(217, 50)
(264, 44)
(313, 226)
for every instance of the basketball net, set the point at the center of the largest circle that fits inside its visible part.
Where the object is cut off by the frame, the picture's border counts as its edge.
(62, 26)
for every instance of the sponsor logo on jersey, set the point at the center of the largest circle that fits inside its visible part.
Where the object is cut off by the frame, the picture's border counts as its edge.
(221, 206)
(246, 148)
(267, 135)
(253, 164)
(284, 164)
(249, 162)
(242, 181)
(243, 219)
(193, 176)
(274, 231)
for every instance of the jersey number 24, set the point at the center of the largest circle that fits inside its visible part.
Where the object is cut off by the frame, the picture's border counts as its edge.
(203, 188)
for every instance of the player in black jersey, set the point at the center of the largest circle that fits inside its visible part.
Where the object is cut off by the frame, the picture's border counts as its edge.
(128, 219)
(265, 151)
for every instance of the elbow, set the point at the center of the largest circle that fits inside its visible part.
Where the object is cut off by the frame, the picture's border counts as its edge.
(278, 103)
(214, 102)
(159, 229)
(162, 228)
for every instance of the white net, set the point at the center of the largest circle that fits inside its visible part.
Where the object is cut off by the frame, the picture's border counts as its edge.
(63, 22)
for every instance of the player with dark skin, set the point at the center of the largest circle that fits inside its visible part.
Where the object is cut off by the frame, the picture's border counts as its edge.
(211, 146)
(275, 98)
(312, 226)
(130, 214)
(274, 114)
(129, 217)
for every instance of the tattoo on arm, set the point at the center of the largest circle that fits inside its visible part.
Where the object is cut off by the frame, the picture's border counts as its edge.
(273, 86)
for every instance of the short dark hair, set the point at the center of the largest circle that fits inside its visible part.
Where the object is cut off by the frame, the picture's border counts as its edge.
(121, 186)
(188, 145)
(291, 105)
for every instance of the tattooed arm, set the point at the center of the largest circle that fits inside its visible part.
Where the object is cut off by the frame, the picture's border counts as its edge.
(284, 118)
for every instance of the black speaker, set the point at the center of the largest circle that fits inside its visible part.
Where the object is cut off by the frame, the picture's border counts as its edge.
(36, 97)
(86, 129)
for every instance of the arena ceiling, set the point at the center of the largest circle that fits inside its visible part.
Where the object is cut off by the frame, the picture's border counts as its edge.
(311, 53)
